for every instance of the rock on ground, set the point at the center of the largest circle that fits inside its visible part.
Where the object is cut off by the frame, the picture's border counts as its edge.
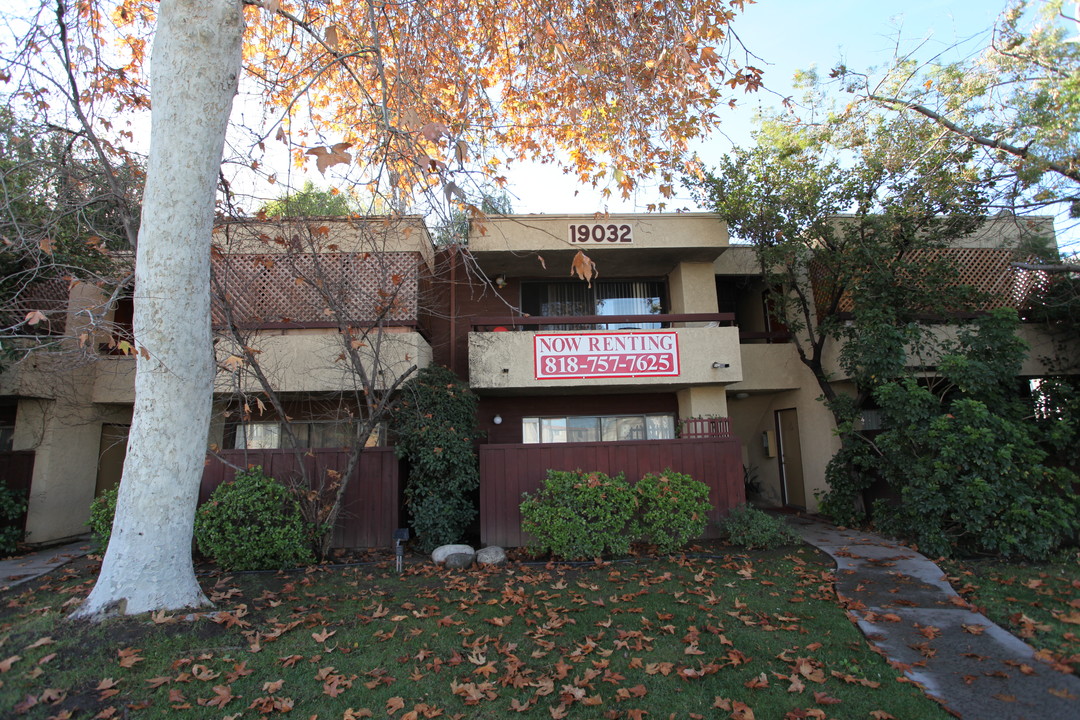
(493, 555)
(441, 553)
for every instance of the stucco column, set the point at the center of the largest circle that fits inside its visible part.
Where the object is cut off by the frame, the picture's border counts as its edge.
(692, 288)
(703, 401)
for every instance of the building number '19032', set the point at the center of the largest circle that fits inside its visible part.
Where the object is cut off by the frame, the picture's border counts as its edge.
(601, 234)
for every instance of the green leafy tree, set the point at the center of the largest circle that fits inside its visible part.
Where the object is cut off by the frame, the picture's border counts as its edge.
(971, 471)
(312, 201)
(1016, 103)
(60, 215)
(492, 202)
(841, 217)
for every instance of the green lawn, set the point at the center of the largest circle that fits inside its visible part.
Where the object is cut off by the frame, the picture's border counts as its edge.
(1039, 602)
(727, 636)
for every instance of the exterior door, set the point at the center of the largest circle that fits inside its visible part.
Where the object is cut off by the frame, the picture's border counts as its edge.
(789, 450)
(111, 456)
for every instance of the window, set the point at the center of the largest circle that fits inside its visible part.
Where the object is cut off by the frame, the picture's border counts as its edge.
(596, 428)
(605, 297)
(315, 434)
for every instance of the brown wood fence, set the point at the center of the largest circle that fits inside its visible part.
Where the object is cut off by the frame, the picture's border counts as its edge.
(507, 471)
(17, 473)
(371, 508)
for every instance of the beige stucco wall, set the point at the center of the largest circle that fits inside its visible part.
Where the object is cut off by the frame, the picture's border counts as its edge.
(769, 367)
(753, 415)
(312, 360)
(691, 289)
(64, 431)
(537, 233)
(504, 361)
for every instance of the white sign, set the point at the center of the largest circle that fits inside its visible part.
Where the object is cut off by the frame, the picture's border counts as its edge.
(606, 355)
(601, 233)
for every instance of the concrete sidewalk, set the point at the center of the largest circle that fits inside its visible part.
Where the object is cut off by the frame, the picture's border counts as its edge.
(23, 568)
(905, 607)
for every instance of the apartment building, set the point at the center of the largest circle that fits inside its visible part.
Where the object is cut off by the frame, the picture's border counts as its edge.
(665, 355)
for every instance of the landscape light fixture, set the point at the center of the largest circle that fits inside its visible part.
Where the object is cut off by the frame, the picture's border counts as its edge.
(718, 365)
(401, 536)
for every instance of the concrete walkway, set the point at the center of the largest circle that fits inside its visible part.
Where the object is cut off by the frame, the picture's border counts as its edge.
(24, 568)
(905, 607)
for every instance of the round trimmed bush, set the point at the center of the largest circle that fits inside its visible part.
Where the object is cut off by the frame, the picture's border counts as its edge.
(253, 523)
(748, 527)
(102, 513)
(672, 509)
(579, 515)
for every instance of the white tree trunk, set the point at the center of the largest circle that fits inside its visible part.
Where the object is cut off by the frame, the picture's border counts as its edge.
(194, 73)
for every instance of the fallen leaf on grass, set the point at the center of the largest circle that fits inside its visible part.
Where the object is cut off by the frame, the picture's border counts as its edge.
(24, 707)
(129, 657)
(5, 665)
(321, 637)
(823, 698)
(39, 643)
(974, 629)
(761, 681)
(222, 697)
(52, 696)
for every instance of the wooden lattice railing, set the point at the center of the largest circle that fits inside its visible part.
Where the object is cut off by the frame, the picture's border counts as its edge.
(989, 271)
(268, 289)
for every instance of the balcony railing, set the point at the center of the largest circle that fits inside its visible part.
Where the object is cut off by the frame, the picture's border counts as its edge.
(705, 427)
(481, 324)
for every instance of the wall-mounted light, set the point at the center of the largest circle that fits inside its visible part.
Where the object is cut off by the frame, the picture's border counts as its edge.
(718, 365)
(497, 419)
(742, 395)
(500, 281)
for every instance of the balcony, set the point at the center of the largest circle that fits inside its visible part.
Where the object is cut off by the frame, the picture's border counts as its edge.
(603, 352)
(311, 359)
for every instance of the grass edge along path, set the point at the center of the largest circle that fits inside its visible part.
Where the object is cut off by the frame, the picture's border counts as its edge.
(1037, 602)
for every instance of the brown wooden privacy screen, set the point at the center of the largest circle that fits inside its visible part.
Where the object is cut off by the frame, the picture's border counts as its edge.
(507, 471)
(17, 473)
(370, 512)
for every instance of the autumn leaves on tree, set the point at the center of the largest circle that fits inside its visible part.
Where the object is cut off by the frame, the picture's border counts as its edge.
(415, 107)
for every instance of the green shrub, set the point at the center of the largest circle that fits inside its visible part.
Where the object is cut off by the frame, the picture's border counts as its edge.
(12, 506)
(579, 515)
(971, 481)
(748, 527)
(672, 509)
(253, 523)
(102, 512)
(434, 418)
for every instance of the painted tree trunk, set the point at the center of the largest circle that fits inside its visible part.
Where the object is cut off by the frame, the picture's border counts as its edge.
(194, 73)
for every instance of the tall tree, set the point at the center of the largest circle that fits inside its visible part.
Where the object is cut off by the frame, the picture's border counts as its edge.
(194, 75)
(431, 97)
(1016, 102)
(844, 219)
(311, 201)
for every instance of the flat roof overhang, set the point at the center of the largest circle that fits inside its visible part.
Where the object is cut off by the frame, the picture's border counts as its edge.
(540, 246)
